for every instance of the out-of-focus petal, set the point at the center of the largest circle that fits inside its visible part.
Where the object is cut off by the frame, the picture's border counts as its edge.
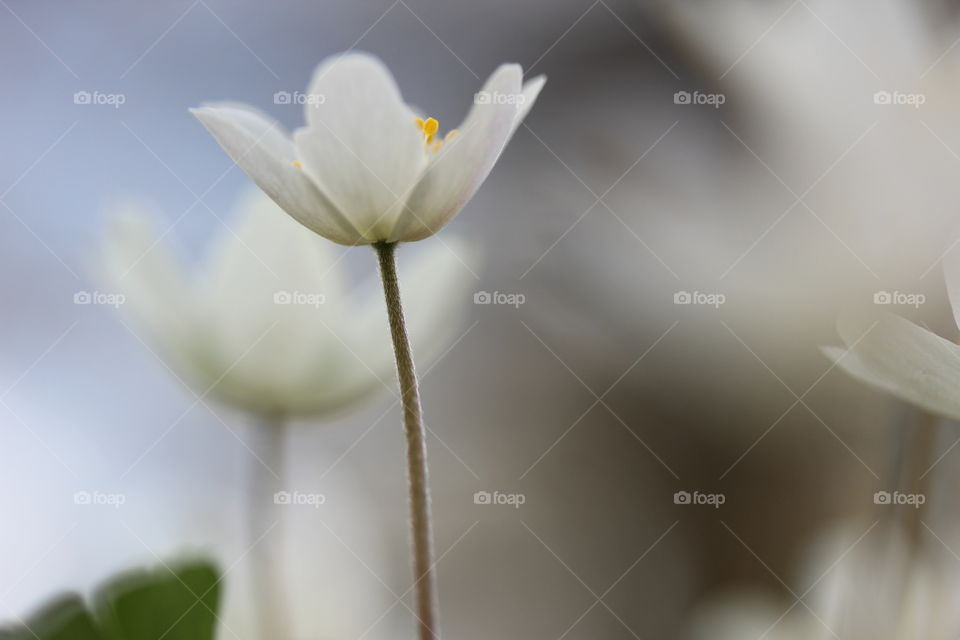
(902, 359)
(138, 263)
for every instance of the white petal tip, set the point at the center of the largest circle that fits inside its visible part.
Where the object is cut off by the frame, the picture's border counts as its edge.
(536, 81)
(509, 69)
(202, 113)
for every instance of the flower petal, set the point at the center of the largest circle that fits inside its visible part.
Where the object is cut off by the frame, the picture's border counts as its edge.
(531, 89)
(267, 301)
(439, 291)
(464, 162)
(137, 264)
(902, 359)
(262, 149)
(361, 145)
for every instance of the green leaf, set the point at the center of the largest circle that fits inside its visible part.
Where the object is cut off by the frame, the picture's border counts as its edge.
(65, 618)
(172, 602)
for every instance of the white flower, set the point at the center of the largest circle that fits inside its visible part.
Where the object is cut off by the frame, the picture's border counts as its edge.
(367, 168)
(876, 588)
(905, 360)
(270, 323)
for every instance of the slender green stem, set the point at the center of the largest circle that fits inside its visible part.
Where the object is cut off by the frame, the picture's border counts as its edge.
(265, 530)
(420, 518)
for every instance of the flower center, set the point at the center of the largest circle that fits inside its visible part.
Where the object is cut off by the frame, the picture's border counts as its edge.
(429, 128)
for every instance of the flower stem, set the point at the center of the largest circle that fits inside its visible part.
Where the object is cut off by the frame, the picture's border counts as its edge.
(265, 530)
(420, 518)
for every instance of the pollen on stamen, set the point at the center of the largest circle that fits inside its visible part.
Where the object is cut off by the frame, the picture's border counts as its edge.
(297, 164)
(429, 127)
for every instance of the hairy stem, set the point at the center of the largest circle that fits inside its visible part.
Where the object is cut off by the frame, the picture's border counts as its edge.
(420, 519)
(265, 530)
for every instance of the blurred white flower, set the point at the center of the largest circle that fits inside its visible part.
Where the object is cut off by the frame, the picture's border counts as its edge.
(270, 323)
(863, 126)
(903, 359)
(875, 588)
(366, 168)
(882, 198)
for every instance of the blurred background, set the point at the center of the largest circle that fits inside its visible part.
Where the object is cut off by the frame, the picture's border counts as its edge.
(701, 188)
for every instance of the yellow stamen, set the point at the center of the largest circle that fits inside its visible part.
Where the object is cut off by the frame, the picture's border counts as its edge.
(297, 164)
(429, 127)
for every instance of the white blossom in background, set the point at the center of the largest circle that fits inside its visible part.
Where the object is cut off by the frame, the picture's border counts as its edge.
(711, 210)
(903, 359)
(874, 588)
(271, 322)
(367, 167)
(864, 115)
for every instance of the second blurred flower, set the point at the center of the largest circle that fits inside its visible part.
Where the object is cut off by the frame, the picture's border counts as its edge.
(271, 323)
